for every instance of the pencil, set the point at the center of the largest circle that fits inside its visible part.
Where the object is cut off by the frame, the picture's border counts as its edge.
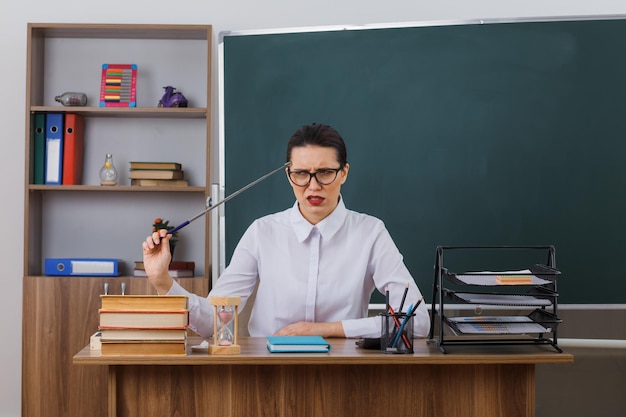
(401, 329)
(408, 314)
(417, 305)
(387, 299)
(406, 290)
(405, 339)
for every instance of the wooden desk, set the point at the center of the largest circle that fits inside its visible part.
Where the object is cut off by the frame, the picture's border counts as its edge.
(348, 381)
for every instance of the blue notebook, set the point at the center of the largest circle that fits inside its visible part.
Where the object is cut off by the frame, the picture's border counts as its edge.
(277, 344)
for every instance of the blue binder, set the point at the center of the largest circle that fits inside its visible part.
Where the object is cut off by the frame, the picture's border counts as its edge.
(90, 267)
(54, 148)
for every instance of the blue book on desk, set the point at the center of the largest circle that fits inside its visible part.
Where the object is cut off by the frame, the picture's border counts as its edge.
(279, 344)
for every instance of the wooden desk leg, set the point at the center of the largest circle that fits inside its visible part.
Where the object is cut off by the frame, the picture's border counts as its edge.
(530, 410)
(112, 383)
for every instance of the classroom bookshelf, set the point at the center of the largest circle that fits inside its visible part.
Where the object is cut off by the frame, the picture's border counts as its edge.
(512, 306)
(88, 220)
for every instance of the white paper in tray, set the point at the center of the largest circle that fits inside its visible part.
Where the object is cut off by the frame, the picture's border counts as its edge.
(498, 299)
(501, 328)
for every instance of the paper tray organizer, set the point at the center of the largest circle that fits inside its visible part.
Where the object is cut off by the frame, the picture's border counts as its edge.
(540, 326)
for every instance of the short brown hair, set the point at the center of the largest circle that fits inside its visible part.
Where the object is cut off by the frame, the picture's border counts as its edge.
(319, 135)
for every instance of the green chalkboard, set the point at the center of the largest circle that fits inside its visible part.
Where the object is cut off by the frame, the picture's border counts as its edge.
(469, 134)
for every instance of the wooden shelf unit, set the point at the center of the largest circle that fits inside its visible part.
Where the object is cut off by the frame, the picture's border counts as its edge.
(89, 220)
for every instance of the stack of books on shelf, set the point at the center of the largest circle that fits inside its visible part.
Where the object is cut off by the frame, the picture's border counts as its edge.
(143, 324)
(177, 269)
(153, 174)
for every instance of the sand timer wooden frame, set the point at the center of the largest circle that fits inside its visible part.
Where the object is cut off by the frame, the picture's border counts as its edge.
(225, 311)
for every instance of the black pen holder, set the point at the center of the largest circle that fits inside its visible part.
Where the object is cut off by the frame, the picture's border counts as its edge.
(396, 333)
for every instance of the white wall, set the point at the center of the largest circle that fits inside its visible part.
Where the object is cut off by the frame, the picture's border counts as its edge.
(228, 15)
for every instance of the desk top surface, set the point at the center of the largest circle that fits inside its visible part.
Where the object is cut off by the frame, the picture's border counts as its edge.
(343, 352)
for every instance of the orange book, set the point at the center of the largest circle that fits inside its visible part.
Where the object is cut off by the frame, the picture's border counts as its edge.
(143, 335)
(156, 174)
(137, 319)
(159, 183)
(175, 166)
(135, 303)
(123, 348)
(73, 149)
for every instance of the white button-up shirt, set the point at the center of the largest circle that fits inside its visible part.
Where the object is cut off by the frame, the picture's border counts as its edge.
(316, 273)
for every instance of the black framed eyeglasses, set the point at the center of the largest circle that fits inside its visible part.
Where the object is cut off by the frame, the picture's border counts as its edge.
(323, 176)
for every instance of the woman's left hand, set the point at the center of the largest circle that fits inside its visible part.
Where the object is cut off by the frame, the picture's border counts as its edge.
(305, 328)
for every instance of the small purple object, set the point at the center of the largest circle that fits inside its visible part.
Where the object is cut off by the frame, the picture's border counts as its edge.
(172, 98)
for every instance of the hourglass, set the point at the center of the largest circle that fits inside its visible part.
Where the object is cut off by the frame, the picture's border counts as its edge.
(225, 312)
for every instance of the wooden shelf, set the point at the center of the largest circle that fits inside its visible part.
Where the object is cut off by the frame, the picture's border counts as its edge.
(115, 189)
(121, 31)
(131, 112)
(122, 278)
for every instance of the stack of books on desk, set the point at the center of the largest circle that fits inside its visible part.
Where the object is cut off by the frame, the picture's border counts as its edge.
(143, 324)
(153, 174)
(177, 269)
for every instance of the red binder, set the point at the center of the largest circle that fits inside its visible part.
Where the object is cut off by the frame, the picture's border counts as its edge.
(73, 149)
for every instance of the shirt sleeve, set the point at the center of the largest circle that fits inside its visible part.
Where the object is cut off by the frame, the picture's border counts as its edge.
(365, 327)
(372, 326)
(200, 311)
(238, 279)
(390, 273)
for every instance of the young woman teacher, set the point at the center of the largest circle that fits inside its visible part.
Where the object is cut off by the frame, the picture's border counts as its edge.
(316, 264)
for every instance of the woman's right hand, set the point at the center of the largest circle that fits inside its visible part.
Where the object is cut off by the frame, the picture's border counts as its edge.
(156, 260)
